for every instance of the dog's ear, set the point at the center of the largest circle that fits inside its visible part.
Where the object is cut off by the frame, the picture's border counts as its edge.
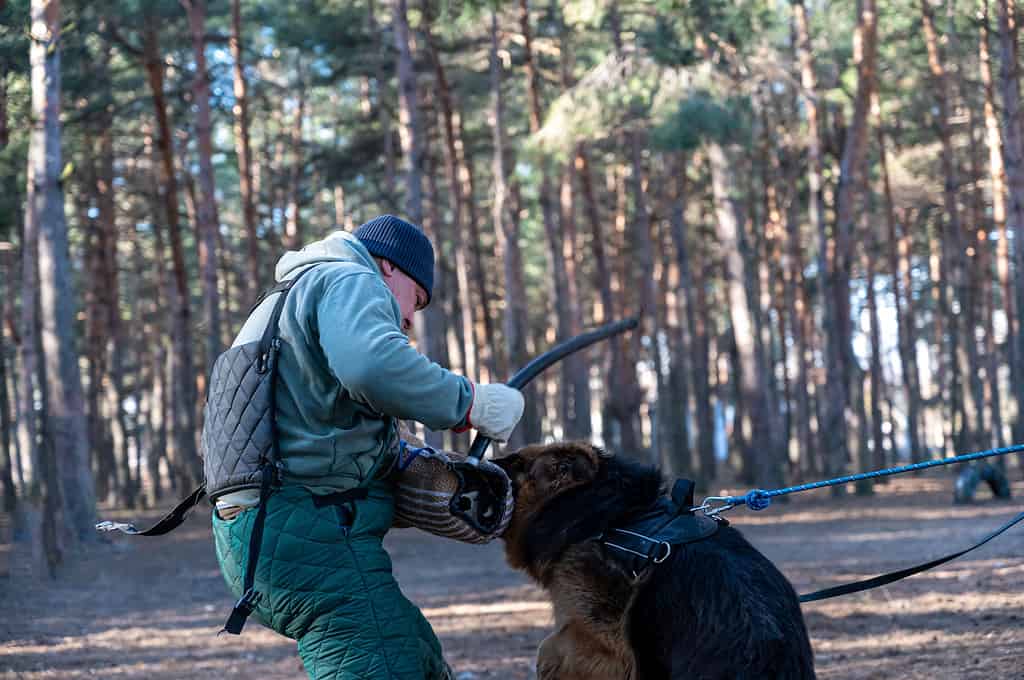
(563, 466)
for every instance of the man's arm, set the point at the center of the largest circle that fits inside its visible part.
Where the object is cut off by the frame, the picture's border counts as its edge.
(359, 332)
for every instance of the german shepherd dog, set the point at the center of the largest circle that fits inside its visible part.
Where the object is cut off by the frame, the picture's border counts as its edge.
(716, 609)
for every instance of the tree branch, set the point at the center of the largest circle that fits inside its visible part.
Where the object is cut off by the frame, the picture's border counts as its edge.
(110, 30)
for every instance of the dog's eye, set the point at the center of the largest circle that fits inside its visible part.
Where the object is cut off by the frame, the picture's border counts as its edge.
(563, 469)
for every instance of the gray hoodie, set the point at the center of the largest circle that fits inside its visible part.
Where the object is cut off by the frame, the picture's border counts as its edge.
(347, 371)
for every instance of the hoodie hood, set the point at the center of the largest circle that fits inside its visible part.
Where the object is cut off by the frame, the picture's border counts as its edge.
(339, 246)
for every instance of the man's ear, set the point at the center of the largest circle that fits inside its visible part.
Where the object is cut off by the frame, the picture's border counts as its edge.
(387, 268)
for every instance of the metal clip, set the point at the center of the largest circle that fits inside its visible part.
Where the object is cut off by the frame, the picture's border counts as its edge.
(107, 525)
(709, 507)
(668, 551)
(263, 361)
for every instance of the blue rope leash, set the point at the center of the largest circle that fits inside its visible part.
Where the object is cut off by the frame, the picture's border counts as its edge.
(759, 499)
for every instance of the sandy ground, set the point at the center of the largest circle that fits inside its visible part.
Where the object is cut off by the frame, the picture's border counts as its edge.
(150, 608)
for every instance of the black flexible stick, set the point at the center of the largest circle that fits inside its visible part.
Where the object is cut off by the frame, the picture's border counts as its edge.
(552, 356)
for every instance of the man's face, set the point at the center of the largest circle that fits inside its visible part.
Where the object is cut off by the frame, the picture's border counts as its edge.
(410, 295)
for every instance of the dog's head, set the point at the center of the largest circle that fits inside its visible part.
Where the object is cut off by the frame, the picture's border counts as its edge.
(542, 472)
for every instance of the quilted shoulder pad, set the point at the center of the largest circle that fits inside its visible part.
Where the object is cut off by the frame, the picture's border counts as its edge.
(238, 429)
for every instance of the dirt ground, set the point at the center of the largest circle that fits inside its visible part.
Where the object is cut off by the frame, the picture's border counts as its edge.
(150, 608)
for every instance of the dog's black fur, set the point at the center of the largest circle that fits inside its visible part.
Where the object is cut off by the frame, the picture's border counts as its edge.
(717, 609)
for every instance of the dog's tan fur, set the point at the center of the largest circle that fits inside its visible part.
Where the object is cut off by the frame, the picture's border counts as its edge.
(590, 641)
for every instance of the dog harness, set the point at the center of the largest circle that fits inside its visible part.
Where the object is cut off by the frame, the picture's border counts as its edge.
(649, 538)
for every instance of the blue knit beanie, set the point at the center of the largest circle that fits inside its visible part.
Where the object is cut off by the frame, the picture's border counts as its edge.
(402, 243)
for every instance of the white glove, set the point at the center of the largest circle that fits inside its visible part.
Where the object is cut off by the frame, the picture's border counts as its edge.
(496, 410)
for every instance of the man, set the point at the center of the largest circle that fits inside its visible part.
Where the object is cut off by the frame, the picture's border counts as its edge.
(346, 374)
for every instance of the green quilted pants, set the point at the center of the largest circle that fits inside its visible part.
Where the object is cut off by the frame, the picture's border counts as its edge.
(330, 587)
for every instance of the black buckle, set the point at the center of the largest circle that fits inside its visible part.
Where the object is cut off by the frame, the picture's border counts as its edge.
(243, 608)
(263, 361)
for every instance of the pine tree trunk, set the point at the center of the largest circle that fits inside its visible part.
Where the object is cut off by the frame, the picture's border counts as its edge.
(769, 289)
(977, 297)
(624, 399)
(108, 273)
(159, 416)
(28, 418)
(617, 396)
(9, 455)
(997, 178)
(992, 356)
(243, 150)
(9, 352)
(435, 314)
(693, 293)
(408, 117)
(152, 348)
(466, 304)
(578, 424)
(293, 228)
(208, 224)
(5, 134)
(182, 452)
(411, 134)
(796, 311)
(65, 417)
(675, 412)
(837, 298)
(773, 277)
(899, 266)
(96, 334)
(382, 77)
(6, 448)
(152, 439)
(952, 240)
(486, 328)
(875, 375)
(809, 101)
(905, 248)
(755, 398)
(602, 271)
(975, 304)
(507, 231)
(1013, 161)
(641, 238)
(577, 367)
(559, 282)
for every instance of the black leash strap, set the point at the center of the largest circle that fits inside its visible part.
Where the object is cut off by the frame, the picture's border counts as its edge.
(885, 579)
(269, 346)
(169, 523)
(250, 598)
(267, 361)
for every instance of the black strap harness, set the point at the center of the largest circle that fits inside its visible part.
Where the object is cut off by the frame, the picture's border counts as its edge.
(270, 345)
(649, 538)
(265, 362)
